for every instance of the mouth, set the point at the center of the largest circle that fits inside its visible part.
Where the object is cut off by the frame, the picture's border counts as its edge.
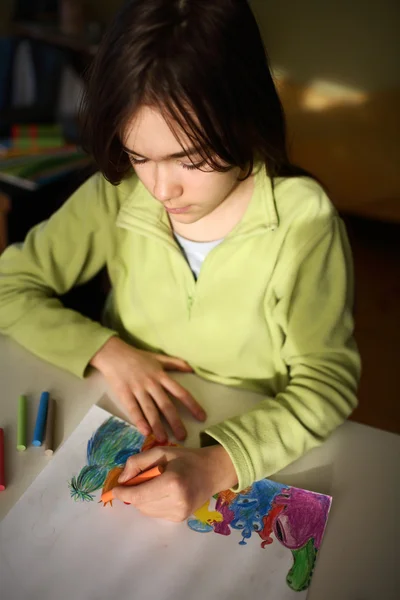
(177, 211)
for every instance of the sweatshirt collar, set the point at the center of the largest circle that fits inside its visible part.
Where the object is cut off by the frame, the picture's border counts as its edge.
(140, 211)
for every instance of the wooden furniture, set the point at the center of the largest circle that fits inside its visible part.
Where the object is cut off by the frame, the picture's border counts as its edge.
(55, 37)
(21, 209)
(350, 141)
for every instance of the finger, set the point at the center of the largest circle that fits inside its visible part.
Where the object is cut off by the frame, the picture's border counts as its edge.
(152, 415)
(157, 497)
(169, 411)
(161, 509)
(137, 463)
(160, 488)
(170, 363)
(140, 495)
(134, 413)
(176, 390)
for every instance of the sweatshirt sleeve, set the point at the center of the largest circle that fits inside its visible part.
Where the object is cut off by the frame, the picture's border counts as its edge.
(65, 251)
(314, 312)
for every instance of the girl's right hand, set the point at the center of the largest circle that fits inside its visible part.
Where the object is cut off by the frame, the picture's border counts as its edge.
(142, 385)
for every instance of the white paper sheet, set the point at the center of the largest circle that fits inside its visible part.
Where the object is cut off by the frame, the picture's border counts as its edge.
(55, 548)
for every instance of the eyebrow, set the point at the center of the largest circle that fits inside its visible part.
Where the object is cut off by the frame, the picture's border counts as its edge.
(182, 154)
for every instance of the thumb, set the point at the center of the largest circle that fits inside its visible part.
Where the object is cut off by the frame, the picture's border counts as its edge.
(143, 461)
(171, 363)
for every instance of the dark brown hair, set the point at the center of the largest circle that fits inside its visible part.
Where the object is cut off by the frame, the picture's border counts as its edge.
(203, 64)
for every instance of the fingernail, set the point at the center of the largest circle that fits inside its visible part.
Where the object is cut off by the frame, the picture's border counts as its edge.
(123, 477)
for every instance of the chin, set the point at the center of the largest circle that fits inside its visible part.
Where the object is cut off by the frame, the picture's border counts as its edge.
(185, 218)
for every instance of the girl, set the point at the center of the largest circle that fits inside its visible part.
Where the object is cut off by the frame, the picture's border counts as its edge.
(224, 258)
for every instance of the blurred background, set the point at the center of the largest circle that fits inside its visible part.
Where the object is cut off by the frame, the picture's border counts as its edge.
(336, 65)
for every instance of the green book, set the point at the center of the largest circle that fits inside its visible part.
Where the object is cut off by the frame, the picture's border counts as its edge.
(33, 172)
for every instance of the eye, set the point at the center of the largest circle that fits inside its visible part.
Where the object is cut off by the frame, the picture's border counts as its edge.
(192, 167)
(240, 524)
(136, 161)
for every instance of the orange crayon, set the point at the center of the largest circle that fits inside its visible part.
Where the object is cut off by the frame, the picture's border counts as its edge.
(141, 478)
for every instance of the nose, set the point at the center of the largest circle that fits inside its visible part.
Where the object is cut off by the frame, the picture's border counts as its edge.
(166, 185)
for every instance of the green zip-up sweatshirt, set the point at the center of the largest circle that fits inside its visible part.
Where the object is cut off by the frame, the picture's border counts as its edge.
(271, 310)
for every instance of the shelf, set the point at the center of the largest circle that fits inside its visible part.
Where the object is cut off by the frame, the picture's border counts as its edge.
(55, 37)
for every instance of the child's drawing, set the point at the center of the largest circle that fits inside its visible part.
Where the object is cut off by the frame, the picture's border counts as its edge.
(110, 446)
(296, 518)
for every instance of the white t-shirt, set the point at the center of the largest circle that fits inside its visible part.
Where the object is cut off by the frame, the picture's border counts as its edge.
(196, 252)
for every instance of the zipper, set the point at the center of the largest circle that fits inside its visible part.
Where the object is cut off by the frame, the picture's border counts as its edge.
(173, 246)
(211, 254)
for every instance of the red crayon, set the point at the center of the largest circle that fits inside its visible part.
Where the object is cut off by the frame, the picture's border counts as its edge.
(2, 475)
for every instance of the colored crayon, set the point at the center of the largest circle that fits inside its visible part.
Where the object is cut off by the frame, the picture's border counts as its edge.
(141, 478)
(49, 435)
(21, 424)
(41, 420)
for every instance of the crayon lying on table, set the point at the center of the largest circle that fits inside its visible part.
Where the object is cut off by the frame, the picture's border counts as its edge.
(2, 472)
(141, 478)
(21, 424)
(49, 435)
(41, 420)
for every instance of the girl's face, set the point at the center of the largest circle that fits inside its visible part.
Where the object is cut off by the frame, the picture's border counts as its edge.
(187, 193)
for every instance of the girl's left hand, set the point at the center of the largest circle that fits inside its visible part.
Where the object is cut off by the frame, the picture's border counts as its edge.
(191, 477)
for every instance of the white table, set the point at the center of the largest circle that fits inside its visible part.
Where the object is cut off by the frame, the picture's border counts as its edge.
(358, 466)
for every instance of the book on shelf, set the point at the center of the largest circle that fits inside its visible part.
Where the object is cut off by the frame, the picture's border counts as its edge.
(32, 171)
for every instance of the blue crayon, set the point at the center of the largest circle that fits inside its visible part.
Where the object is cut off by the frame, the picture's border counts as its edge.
(41, 420)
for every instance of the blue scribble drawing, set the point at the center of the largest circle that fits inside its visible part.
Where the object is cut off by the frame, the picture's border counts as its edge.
(110, 446)
(249, 508)
(243, 511)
